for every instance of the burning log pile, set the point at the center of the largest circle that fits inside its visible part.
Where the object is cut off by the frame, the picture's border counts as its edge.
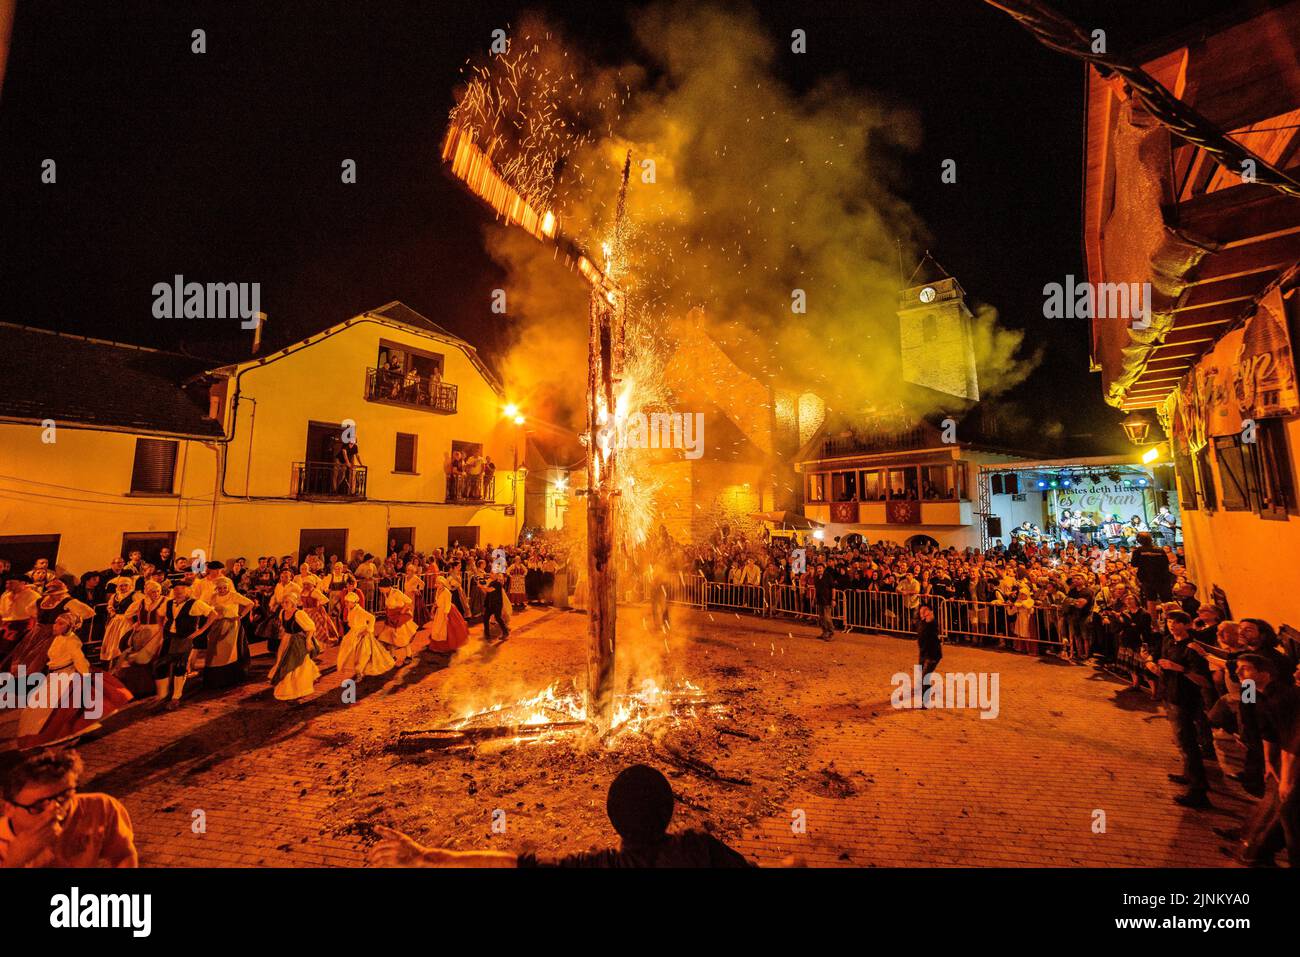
(564, 710)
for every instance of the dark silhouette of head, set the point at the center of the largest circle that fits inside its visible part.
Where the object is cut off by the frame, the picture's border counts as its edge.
(640, 804)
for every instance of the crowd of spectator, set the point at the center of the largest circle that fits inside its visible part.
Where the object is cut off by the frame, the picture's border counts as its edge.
(1133, 610)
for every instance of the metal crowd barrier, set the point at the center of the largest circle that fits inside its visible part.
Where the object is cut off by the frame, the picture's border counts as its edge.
(973, 622)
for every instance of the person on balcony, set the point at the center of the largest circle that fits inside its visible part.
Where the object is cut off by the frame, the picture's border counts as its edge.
(391, 377)
(411, 385)
(456, 477)
(474, 476)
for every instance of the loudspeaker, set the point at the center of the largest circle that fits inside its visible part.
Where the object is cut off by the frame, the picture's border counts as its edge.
(995, 526)
(995, 485)
(1012, 484)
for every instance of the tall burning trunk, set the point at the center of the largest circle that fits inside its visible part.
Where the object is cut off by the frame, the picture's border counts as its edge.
(601, 573)
(604, 370)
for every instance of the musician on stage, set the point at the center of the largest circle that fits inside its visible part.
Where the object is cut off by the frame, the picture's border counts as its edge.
(1069, 524)
(1165, 527)
(1113, 530)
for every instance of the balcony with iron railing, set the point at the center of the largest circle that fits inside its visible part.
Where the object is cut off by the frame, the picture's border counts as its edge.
(862, 443)
(328, 480)
(409, 389)
(471, 489)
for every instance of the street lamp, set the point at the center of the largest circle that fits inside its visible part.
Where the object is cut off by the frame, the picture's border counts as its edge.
(512, 412)
(1137, 426)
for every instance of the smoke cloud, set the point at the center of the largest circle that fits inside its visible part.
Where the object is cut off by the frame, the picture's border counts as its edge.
(754, 197)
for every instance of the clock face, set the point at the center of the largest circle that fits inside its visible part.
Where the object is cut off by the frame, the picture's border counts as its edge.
(928, 294)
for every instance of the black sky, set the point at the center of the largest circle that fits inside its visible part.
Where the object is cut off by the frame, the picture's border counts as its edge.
(225, 166)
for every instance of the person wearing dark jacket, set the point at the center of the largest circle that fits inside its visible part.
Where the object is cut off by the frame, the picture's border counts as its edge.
(824, 592)
(928, 645)
(1154, 574)
(1183, 674)
(493, 593)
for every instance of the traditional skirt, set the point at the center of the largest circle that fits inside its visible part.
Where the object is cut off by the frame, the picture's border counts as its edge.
(33, 652)
(450, 631)
(116, 634)
(518, 595)
(11, 635)
(225, 663)
(362, 654)
(326, 630)
(295, 673)
(135, 672)
(421, 609)
(41, 727)
(399, 636)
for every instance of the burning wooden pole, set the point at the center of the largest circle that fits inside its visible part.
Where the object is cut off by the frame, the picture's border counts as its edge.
(602, 459)
(604, 369)
(468, 163)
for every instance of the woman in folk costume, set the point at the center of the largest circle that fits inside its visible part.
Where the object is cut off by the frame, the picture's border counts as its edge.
(361, 654)
(225, 661)
(413, 586)
(516, 573)
(397, 627)
(533, 581)
(1026, 626)
(271, 627)
(336, 585)
(314, 602)
(546, 589)
(448, 628)
(134, 666)
(68, 698)
(122, 605)
(295, 673)
(579, 600)
(33, 651)
(17, 615)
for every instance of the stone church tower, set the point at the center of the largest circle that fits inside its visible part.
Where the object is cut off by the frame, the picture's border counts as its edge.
(935, 331)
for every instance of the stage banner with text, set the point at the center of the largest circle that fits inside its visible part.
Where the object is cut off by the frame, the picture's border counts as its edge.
(1099, 502)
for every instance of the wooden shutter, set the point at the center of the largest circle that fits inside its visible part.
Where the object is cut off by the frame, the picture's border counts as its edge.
(1273, 471)
(1232, 473)
(404, 458)
(154, 470)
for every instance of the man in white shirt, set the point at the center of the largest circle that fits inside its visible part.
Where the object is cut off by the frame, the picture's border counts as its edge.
(185, 619)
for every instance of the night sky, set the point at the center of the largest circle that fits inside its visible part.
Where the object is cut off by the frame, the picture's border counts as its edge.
(225, 166)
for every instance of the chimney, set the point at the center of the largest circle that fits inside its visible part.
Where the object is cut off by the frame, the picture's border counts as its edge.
(257, 332)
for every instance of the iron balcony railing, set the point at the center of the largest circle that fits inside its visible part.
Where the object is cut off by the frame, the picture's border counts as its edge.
(866, 442)
(328, 480)
(471, 488)
(416, 391)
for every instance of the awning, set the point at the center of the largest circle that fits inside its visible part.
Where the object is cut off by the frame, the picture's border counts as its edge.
(786, 520)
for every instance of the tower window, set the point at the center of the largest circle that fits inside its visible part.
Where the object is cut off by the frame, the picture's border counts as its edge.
(929, 326)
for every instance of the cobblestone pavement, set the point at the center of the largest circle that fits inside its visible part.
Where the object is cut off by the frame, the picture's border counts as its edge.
(1071, 772)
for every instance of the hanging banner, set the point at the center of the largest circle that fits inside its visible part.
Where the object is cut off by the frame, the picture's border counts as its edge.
(844, 513)
(1265, 379)
(903, 512)
(1192, 406)
(1223, 413)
